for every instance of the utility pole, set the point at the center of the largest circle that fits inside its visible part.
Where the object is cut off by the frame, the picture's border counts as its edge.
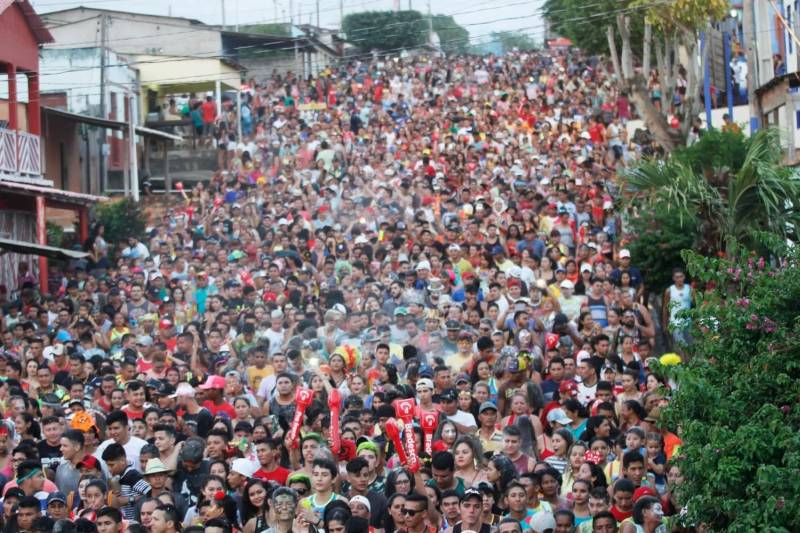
(753, 78)
(430, 24)
(291, 12)
(102, 157)
(317, 13)
(239, 111)
(223, 14)
(134, 159)
(341, 14)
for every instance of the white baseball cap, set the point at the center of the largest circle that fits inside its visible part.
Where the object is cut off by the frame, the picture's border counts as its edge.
(244, 467)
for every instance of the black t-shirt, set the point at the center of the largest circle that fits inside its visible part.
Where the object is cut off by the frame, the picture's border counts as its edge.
(50, 455)
(203, 419)
(378, 508)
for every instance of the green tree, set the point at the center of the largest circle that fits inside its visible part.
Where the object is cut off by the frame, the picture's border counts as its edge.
(638, 32)
(728, 185)
(585, 23)
(386, 30)
(660, 238)
(278, 29)
(453, 38)
(514, 39)
(122, 219)
(737, 401)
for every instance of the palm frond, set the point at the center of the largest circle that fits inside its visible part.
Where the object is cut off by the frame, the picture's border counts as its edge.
(763, 193)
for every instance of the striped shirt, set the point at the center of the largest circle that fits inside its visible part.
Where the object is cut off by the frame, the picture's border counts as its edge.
(132, 486)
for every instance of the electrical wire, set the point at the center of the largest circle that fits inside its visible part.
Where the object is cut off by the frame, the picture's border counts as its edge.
(221, 77)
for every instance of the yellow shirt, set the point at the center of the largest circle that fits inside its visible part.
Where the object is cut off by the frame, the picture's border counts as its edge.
(456, 361)
(255, 375)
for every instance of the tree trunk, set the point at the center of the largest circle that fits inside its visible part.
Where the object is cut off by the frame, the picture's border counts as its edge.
(626, 60)
(646, 45)
(692, 105)
(636, 86)
(668, 138)
(612, 47)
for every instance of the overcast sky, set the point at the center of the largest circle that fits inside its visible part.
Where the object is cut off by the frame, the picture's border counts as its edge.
(480, 18)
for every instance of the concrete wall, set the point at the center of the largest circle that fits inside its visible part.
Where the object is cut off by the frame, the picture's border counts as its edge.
(263, 68)
(76, 72)
(138, 35)
(61, 145)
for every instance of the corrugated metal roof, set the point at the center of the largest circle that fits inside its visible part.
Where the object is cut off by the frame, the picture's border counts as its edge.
(55, 194)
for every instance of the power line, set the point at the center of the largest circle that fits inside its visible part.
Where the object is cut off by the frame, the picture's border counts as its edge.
(215, 55)
(216, 76)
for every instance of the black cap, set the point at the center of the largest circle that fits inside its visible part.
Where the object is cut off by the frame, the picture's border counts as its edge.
(15, 492)
(453, 325)
(165, 389)
(472, 493)
(448, 395)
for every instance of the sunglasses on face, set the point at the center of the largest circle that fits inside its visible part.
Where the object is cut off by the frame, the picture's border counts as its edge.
(411, 512)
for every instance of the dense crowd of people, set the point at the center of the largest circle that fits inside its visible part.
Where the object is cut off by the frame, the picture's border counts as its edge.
(403, 304)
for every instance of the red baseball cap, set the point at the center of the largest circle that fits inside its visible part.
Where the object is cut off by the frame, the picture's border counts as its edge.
(568, 387)
(643, 491)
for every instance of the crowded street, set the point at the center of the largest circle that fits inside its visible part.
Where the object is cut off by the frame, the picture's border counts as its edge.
(403, 301)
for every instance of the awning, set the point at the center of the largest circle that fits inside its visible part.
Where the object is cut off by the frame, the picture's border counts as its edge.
(86, 119)
(110, 124)
(21, 247)
(57, 195)
(177, 75)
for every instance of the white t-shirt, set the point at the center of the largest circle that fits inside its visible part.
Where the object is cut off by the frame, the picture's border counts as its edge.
(463, 418)
(586, 394)
(132, 450)
(275, 340)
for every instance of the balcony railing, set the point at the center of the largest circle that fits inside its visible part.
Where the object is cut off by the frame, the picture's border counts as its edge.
(20, 153)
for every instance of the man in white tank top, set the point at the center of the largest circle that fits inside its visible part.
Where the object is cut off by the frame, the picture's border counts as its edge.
(677, 298)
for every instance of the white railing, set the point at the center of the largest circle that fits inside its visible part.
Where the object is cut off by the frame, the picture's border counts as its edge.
(20, 153)
(8, 150)
(29, 159)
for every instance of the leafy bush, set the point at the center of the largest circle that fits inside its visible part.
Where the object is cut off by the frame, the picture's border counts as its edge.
(55, 235)
(660, 237)
(122, 219)
(729, 186)
(737, 404)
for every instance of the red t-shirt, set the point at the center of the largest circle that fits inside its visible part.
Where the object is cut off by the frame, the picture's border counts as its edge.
(133, 415)
(279, 475)
(619, 516)
(209, 110)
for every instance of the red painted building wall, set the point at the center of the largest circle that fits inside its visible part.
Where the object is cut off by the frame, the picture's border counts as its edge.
(17, 42)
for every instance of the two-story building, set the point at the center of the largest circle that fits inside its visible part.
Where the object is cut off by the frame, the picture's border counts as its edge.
(27, 197)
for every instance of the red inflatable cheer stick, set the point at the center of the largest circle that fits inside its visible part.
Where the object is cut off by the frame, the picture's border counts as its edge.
(429, 422)
(334, 403)
(303, 400)
(393, 432)
(179, 187)
(405, 412)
